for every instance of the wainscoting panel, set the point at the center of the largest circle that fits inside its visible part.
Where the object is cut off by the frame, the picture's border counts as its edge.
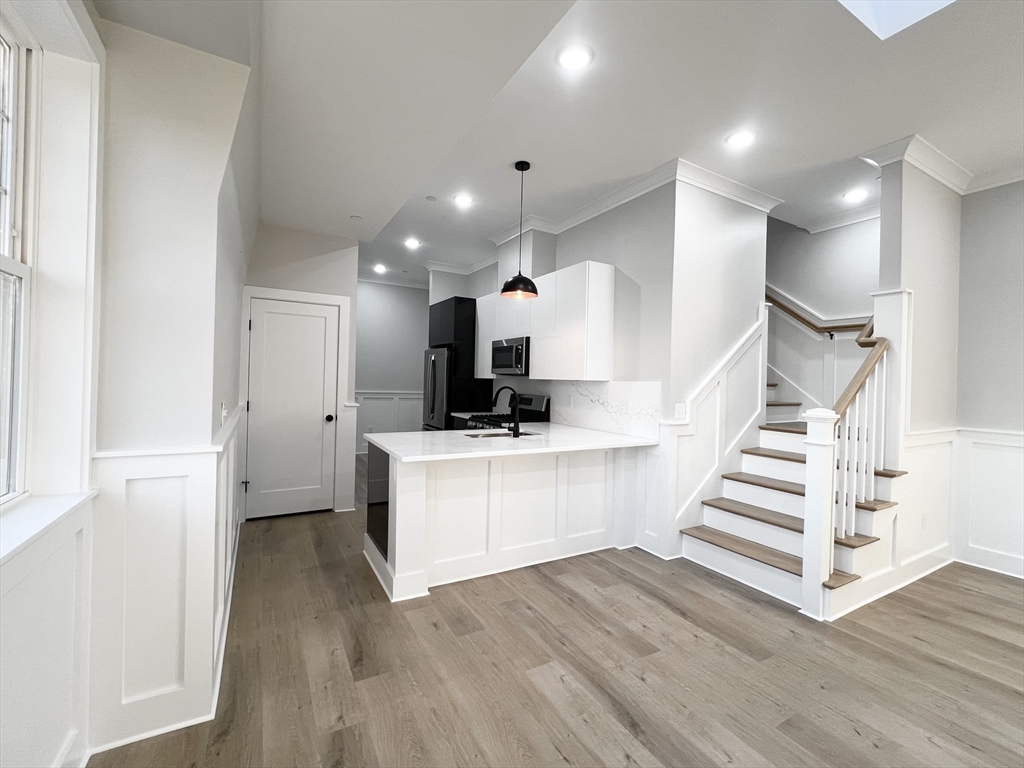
(44, 630)
(381, 411)
(165, 524)
(990, 508)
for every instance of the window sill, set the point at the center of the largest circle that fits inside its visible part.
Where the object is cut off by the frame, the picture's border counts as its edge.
(28, 517)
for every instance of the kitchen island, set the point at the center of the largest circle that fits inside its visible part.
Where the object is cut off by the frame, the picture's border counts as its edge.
(445, 506)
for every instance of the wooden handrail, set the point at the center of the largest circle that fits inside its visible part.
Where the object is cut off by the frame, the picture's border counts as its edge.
(799, 316)
(864, 337)
(846, 399)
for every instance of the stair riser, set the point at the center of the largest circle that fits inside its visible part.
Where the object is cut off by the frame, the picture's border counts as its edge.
(786, 503)
(863, 560)
(777, 468)
(784, 413)
(771, 394)
(781, 584)
(772, 536)
(783, 441)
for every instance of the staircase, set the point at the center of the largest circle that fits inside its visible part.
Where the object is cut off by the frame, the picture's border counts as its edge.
(754, 532)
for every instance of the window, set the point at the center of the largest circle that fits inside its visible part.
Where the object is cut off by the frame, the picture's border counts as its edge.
(14, 276)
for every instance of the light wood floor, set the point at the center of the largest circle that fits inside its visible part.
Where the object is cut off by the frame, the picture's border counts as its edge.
(615, 658)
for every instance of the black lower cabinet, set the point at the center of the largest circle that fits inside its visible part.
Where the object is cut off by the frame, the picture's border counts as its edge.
(378, 476)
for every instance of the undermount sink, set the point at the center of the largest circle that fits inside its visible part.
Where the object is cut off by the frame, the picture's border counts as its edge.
(500, 434)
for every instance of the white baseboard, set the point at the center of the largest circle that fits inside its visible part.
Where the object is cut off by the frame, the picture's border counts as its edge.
(1016, 575)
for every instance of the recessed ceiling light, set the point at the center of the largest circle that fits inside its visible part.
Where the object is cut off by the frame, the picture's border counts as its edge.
(858, 195)
(463, 200)
(356, 218)
(412, 243)
(431, 199)
(380, 269)
(575, 57)
(741, 139)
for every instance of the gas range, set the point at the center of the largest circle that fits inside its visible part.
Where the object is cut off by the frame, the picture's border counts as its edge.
(532, 408)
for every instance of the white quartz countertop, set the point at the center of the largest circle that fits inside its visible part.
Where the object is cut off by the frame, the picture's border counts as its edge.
(548, 438)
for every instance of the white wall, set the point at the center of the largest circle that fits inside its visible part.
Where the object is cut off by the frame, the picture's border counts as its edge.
(718, 281)
(391, 335)
(483, 281)
(167, 149)
(990, 366)
(930, 267)
(990, 383)
(238, 214)
(444, 285)
(832, 273)
(638, 238)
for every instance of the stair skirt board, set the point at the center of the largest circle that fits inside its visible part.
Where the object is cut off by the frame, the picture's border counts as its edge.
(776, 468)
(783, 441)
(779, 501)
(764, 578)
(866, 559)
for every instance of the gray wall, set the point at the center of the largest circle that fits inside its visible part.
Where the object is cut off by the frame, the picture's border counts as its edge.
(483, 281)
(444, 285)
(637, 237)
(832, 273)
(990, 371)
(391, 334)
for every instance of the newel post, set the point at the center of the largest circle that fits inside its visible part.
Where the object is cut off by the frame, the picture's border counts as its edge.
(819, 509)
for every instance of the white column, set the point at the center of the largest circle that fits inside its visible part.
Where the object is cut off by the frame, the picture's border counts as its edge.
(819, 503)
(407, 533)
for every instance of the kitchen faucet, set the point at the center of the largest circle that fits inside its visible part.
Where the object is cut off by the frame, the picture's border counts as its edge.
(513, 401)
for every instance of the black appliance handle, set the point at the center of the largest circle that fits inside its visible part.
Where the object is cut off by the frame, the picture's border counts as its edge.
(433, 384)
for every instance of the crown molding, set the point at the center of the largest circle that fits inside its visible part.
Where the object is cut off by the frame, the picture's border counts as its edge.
(674, 170)
(720, 185)
(397, 282)
(995, 179)
(924, 156)
(486, 261)
(444, 266)
(856, 216)
(532, 221)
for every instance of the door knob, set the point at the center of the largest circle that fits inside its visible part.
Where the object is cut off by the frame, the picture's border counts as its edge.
(330, 417)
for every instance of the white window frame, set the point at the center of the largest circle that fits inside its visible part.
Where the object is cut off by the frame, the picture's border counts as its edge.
(19, 394)
(20, 195)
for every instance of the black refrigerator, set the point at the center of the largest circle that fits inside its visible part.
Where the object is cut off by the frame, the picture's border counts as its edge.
(449, 365)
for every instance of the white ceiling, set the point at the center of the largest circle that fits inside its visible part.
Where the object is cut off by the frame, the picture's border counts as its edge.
(362, 100)
(368, 107)
(673, 79)
(220, 27)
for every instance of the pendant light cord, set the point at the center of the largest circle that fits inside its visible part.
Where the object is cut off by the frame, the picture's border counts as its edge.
(522, 179)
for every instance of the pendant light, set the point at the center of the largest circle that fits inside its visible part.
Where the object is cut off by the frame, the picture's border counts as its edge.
(520, 286)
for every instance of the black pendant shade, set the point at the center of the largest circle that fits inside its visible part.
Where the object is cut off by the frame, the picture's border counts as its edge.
(520, 286)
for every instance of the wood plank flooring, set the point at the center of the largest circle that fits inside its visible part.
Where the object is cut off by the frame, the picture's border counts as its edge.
(614, 658)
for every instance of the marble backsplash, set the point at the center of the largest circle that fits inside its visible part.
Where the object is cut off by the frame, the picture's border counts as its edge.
(623, 407)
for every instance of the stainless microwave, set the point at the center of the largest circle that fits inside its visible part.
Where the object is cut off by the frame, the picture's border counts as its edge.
(511, 357)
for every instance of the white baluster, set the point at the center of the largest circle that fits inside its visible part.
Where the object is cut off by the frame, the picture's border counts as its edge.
(872, 450)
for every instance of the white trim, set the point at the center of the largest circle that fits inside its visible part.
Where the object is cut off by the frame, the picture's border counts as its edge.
(995, 179)
(896, 588)
(678, 170)
(28, 518)
(21, 392)
(1000, 571)
(394, 281)
(924, 156)
(476, 266)
(846, 218)
(178, 450)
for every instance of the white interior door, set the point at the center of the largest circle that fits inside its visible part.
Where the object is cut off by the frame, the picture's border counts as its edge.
(293, 397)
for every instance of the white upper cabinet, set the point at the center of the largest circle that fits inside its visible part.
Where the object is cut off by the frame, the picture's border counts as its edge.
(486, 309)
(582, 326)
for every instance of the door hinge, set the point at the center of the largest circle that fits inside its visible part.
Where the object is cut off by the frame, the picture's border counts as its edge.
(247, 406)
(245, 483)
(250, 325)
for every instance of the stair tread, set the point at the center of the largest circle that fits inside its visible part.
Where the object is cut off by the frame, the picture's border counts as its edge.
(780, 520)
(785, 403)
(795, 427)
(786, 486)
(762, 554)
(799, 458)
(768, 516)
(840, 579)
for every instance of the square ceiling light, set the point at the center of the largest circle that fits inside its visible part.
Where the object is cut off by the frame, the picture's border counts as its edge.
(887, 17)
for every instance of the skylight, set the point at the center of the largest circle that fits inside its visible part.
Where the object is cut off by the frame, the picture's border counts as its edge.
(887, 17)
